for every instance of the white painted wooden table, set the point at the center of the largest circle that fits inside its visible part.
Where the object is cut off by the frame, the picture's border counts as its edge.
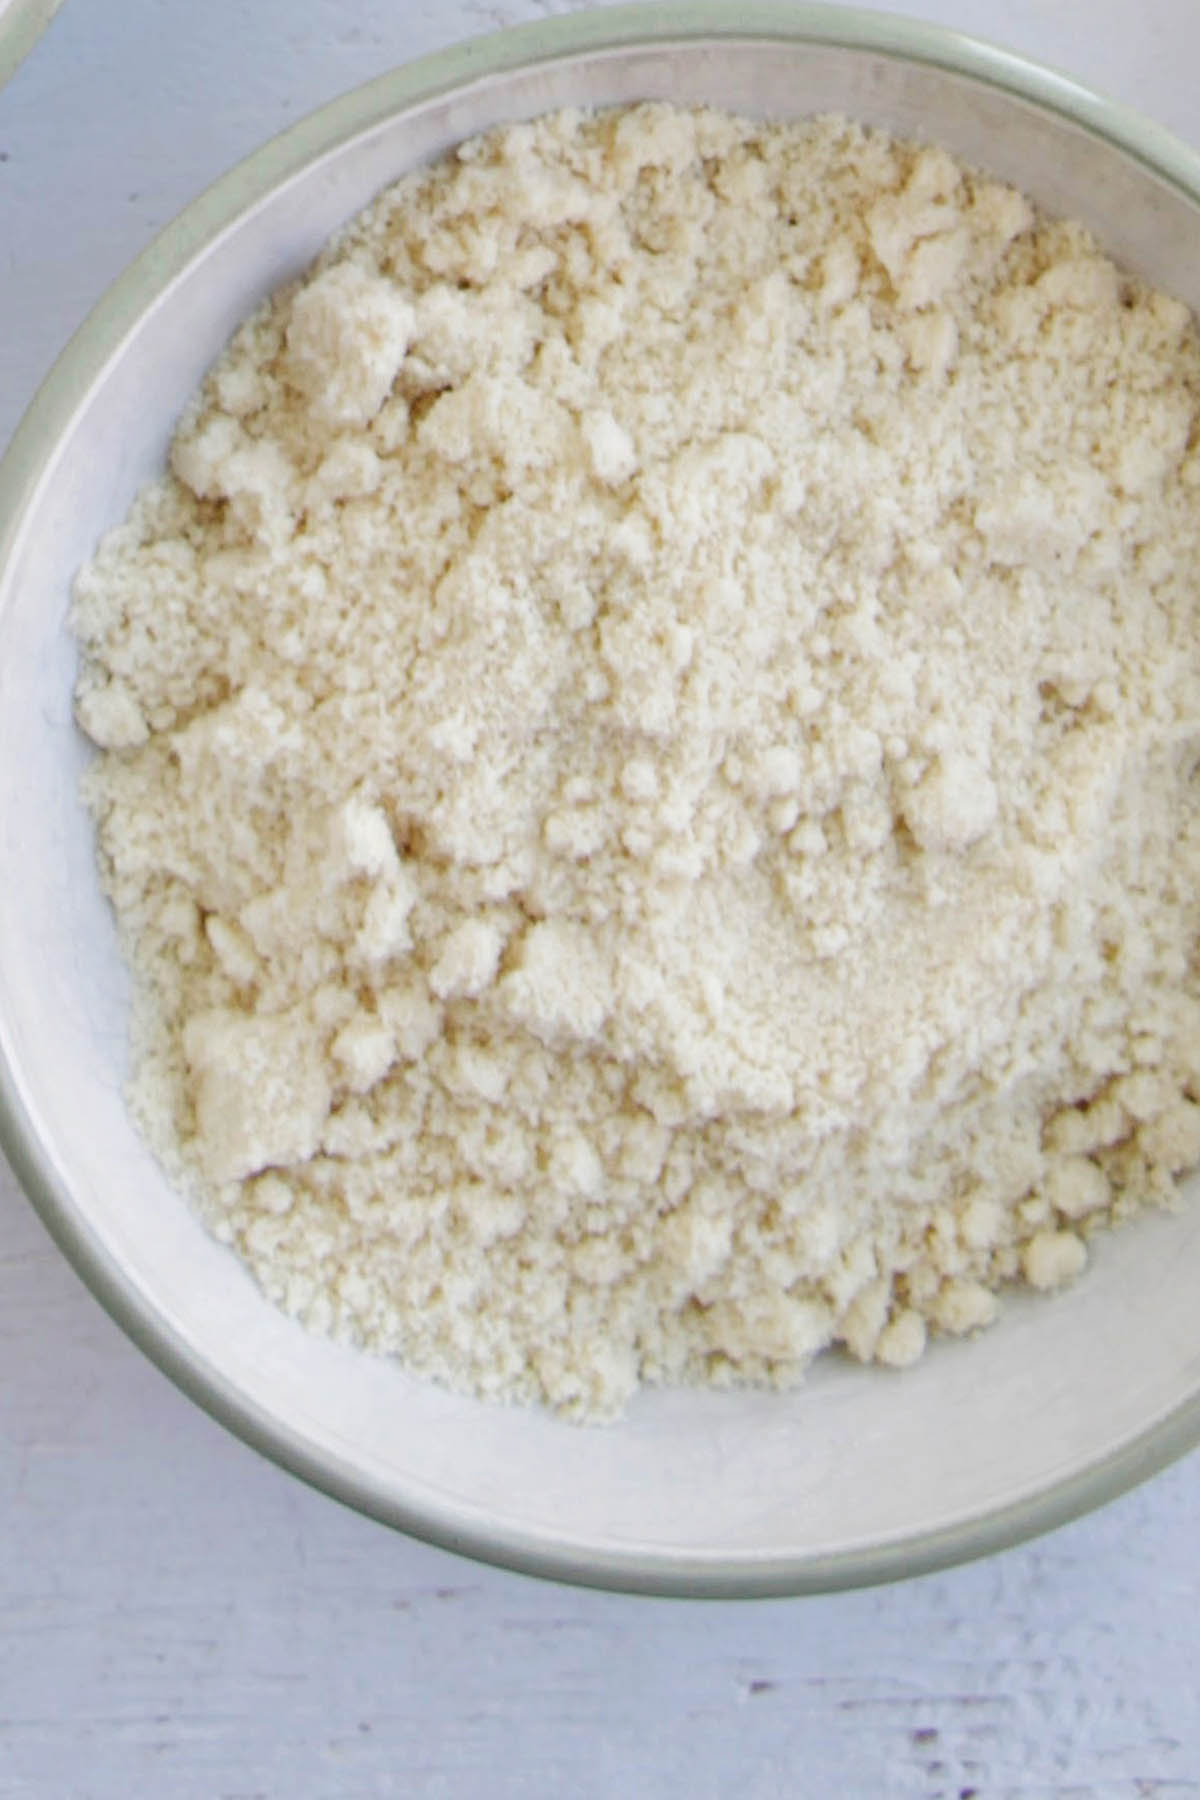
(178, 1618)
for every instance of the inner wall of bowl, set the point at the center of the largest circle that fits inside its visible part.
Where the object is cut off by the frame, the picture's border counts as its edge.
(690, 1480)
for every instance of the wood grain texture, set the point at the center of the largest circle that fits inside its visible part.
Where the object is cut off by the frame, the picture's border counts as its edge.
(177, 1617)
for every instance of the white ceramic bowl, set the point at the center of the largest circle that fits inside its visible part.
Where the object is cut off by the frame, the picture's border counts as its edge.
(857, 1476)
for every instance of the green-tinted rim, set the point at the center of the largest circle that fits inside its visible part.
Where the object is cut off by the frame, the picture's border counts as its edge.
(20, 472)
(22, 23)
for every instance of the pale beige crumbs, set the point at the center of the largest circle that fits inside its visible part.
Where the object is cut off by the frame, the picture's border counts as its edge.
(648, 760)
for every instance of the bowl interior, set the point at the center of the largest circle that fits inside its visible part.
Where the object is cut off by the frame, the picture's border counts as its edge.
(855, 1474)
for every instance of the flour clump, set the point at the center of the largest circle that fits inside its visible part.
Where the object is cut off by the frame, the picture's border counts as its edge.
(647, 760)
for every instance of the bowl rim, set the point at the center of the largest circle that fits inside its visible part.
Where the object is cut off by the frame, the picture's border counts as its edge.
(22, 23)
(34, 445)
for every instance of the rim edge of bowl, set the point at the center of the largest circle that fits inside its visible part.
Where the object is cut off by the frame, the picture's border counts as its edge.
(21, 25)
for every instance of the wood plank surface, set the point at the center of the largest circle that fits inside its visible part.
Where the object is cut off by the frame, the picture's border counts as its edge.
(178, 1617)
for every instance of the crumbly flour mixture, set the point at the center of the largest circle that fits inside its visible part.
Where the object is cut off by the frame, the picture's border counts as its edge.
(648, 760)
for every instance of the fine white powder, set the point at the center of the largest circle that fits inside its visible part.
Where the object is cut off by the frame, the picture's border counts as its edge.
(648, 760)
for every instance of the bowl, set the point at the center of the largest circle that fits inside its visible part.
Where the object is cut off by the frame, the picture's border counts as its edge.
(855, 1476)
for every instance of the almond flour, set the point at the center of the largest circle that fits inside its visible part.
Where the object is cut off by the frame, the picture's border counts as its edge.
(648, 747)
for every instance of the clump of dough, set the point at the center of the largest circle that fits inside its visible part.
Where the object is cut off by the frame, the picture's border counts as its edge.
(648, 760)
